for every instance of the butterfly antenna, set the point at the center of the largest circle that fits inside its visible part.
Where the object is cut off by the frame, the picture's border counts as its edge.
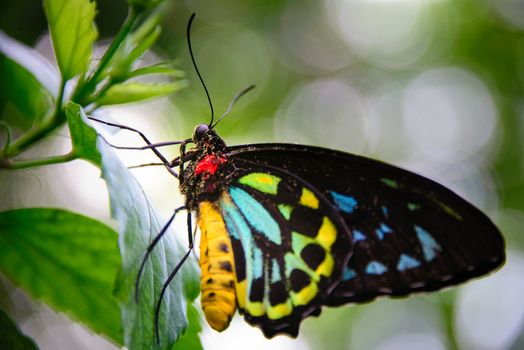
(195, 65)
(232, 103)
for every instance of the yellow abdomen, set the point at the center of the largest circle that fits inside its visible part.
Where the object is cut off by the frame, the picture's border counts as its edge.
(217, 267)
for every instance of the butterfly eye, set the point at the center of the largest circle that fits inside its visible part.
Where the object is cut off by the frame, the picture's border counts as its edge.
(200, 131)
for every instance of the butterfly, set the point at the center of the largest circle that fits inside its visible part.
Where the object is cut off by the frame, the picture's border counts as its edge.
(287, 229)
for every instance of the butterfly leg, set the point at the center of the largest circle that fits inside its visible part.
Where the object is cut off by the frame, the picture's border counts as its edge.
(173, 274)
(144, 165)
(152, 246)
(174, 163)
(183, 158)
(182, 155)
(150, 145)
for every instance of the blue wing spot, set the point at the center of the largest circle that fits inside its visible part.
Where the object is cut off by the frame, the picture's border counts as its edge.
(348, 274)
(275, 272)
(382, 230)
(430, 247)
(385, 211)
(256, 214)
(258, 263)
(347, 204)
(358, 236)
(375, 268)
(407, 262)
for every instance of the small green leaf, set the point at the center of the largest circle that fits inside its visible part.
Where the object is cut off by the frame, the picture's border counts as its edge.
(190, 340)
(73, 31)
(144, 4)
(138, 225)
(11, 337)
(28, 81)
(130, 52)
(65, 259)
(83, 136)
(157, 69)
(134, 92)
(25, 92)
(144, 44)
(32, 61)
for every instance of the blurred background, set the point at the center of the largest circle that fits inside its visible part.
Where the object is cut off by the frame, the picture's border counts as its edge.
(433, 86)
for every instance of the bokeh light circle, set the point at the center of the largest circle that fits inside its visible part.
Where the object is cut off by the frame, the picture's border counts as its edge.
(449, 114)
(330, 113)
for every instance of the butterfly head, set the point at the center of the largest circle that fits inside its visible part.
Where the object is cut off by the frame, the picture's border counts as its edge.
(207, 140)
(200, 132)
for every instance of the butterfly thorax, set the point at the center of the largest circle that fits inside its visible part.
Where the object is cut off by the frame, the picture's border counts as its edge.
(204, 175)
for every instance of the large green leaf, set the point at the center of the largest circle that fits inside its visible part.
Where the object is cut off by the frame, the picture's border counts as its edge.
(83, 136)
(138, 225)
(65, 259)
(11, 337)
(73, 31)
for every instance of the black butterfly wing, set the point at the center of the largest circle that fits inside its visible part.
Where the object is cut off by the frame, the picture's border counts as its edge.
(409, 233)
(289, 244)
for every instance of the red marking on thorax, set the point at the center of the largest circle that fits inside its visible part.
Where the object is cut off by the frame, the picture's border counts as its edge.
(209, 164)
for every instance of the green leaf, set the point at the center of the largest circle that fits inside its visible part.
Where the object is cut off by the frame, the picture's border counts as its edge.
(144, 4)
(25, 92)
(190, 340)
(73, 31)
(144, 44)
(11, 337)
(65, 259)
(138, 225)
(28, 82)
(83, 136)
(32, 61)
(134, 92)
(130, 52)
(157, 69)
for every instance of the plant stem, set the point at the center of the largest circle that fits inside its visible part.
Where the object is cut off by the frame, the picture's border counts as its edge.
(59, 98)
(446, 305)
(9, 164)
(57, 118)
(32, 136)
(40, 130)
(90, 85)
